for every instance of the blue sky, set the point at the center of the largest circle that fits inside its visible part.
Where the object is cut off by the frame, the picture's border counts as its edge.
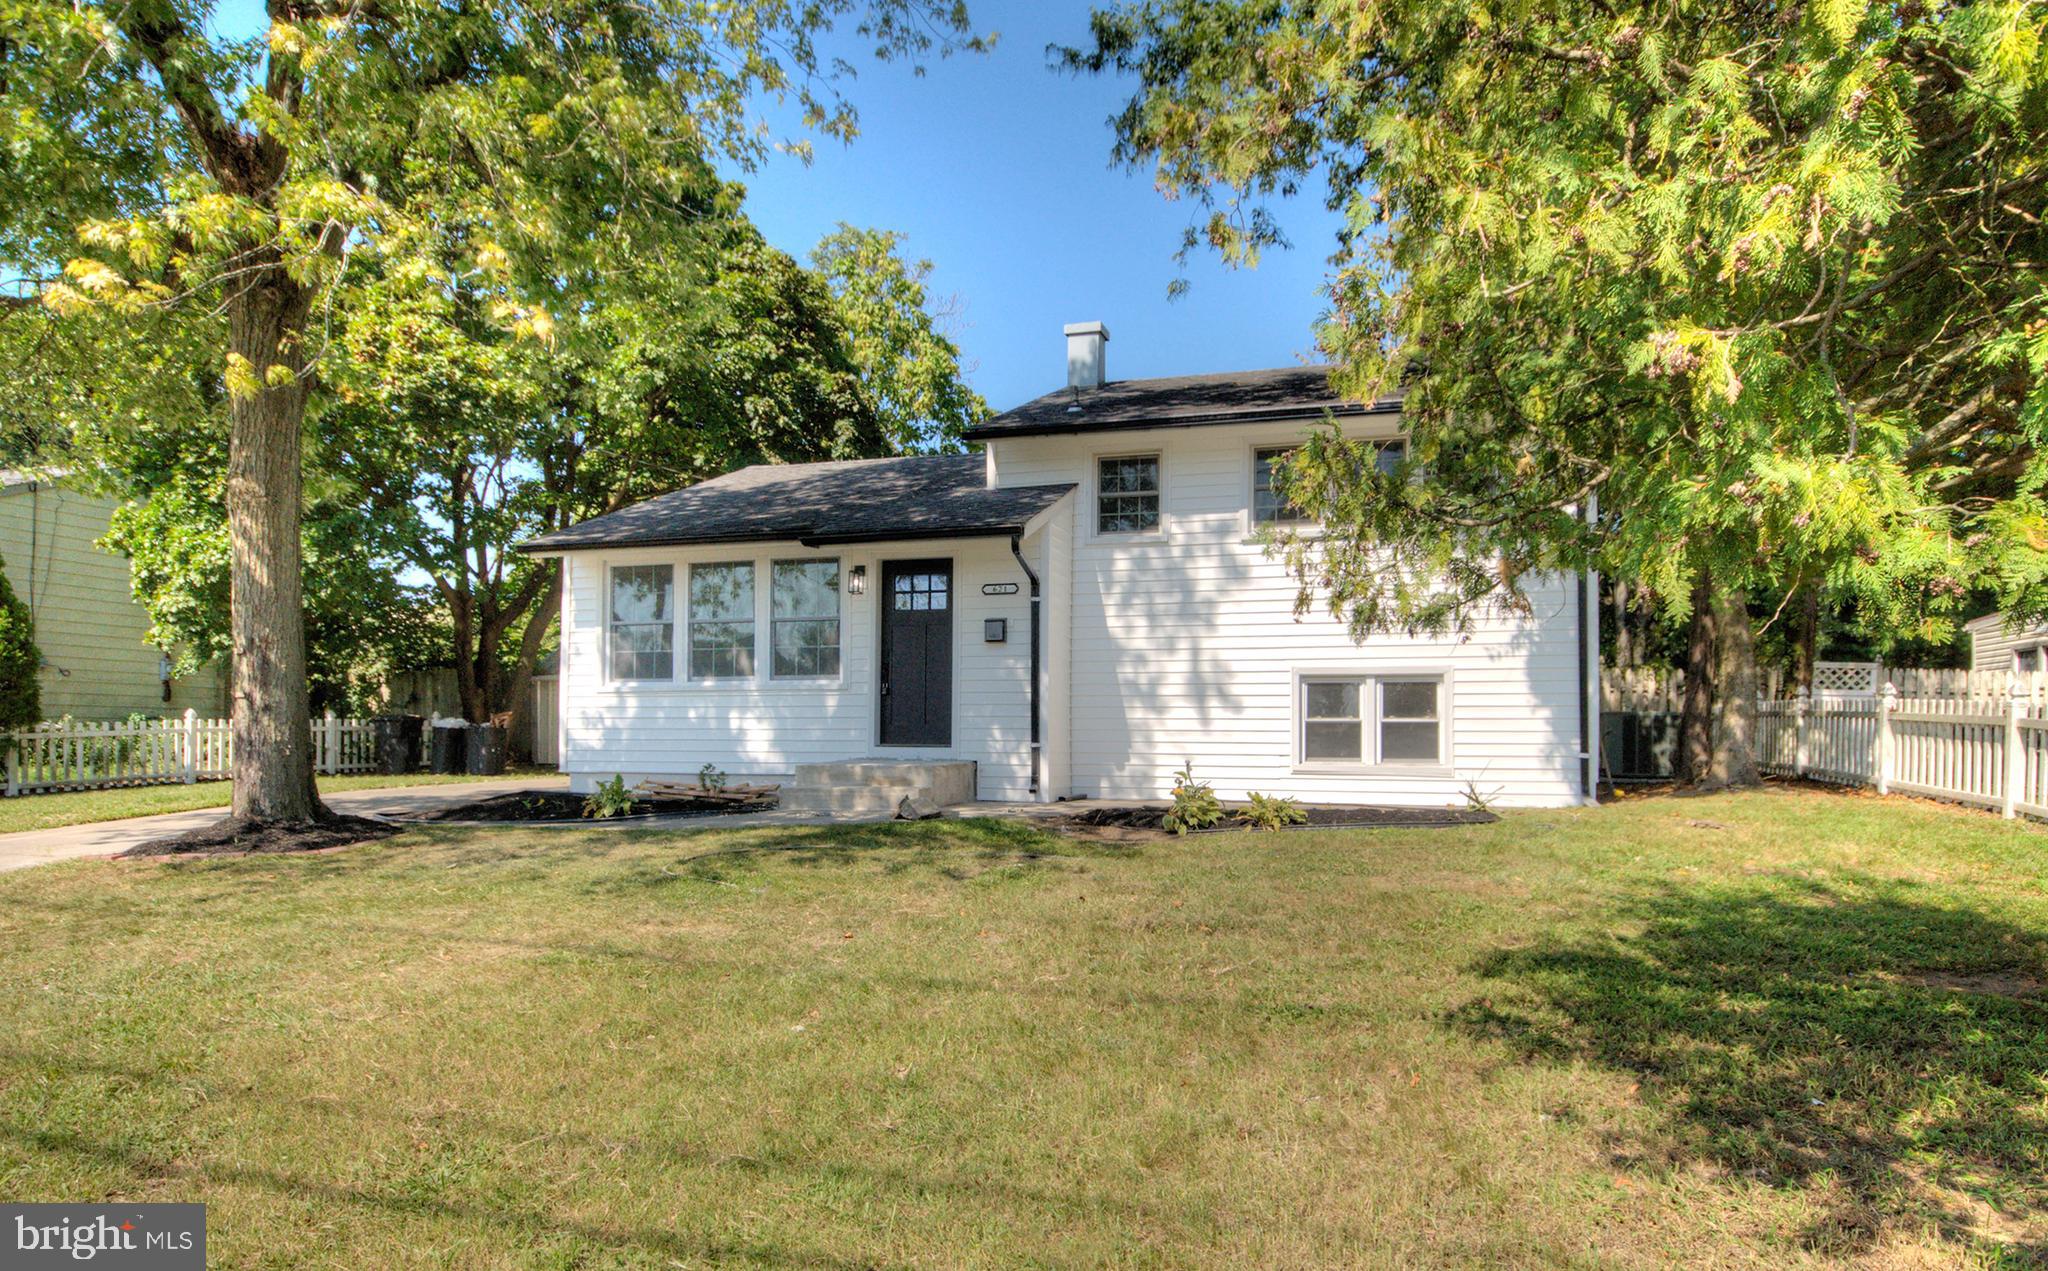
(997, 169)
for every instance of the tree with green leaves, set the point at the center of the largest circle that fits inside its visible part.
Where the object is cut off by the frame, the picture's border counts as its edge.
(457, 440)
(21, 692)
(910, 366)
(150, 166)
(1767, 283)
(442, 440)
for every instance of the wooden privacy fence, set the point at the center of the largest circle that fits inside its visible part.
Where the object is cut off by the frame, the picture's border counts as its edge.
(1992, 752)
(69, 756)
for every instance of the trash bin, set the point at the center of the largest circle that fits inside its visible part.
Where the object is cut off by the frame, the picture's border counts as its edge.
(398, 742)
(449, 750)
(487, 746)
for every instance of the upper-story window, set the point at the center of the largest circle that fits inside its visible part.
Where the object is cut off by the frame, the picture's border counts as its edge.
(803, 637)
(643, 622)
(1270, 506)
(1127, 494)
(721, 620)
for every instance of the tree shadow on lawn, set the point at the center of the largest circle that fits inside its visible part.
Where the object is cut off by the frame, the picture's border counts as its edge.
(957, 850)
(1865, 1040)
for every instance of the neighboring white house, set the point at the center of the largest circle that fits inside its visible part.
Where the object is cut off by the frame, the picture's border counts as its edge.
(1996, 647)
(1079, 609)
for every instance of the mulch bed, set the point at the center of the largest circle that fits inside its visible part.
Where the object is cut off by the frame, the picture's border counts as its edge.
(237, 838)
(555, 805)
(1319, 817)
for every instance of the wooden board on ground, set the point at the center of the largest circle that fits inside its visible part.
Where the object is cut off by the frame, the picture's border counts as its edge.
(739, 796)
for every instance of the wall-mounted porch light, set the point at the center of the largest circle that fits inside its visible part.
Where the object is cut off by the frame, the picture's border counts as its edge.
(857, 580)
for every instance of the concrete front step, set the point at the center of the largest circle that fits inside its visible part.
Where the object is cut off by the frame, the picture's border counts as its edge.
(876, 785)
(848, 798)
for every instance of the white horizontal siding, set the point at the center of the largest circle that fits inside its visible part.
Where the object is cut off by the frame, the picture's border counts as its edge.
(762, 729)
(1992, 642)
(1186, 646)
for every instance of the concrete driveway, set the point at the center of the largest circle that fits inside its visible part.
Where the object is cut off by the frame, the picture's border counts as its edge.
(104, 838)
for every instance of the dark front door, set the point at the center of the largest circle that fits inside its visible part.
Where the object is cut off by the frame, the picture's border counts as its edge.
(917, 653)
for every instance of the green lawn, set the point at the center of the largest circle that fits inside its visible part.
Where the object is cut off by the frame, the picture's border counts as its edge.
(1766, 1030)
(48, 811)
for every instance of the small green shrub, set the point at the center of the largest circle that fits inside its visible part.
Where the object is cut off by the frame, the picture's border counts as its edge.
(610, 799)
(21, 694)
(1272, 812)
(710, 777)
(1195, 805)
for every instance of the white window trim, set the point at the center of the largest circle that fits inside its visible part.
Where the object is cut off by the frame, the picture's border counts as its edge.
(611, 678)
(839, 676)
(689, 639)
(1095, 530)
(1369, 706)
(1253, 525)
(1255, 530)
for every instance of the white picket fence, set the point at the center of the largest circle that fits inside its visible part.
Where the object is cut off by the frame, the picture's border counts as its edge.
(72, 756)
(1988, 751)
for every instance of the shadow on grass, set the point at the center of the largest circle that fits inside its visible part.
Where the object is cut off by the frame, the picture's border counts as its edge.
(1867, 1040)
(960, 851)
(432, 1202)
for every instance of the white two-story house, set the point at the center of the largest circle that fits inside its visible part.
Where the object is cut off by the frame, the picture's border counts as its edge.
(1078, 608)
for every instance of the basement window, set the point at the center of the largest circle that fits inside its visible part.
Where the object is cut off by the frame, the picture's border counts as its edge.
(1371, 721)
(1409, 730)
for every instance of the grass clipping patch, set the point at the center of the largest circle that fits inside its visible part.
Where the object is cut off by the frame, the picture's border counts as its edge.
(236, 836)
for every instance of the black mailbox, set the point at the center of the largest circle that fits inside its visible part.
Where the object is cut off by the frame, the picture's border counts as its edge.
(995, 630)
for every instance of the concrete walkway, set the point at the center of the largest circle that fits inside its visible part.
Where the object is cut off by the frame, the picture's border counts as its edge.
(104, 838)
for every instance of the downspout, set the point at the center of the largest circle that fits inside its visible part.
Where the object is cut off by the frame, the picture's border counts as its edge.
(1585, 710)
(1017, 550)
(1589, 672)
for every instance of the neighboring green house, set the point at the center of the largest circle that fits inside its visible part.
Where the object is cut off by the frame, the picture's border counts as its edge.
(98, 663)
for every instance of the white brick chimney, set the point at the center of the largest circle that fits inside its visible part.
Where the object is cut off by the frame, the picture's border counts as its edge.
(1086, 365)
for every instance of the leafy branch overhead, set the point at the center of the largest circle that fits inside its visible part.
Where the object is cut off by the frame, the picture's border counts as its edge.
(225, 192)
(1769, 282)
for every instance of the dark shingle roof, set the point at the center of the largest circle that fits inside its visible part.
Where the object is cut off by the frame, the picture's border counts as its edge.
(854, 501)
(1180, 401)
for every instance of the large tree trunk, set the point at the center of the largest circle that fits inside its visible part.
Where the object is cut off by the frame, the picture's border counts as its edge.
(1626, 656)
(273, 761)
(1696, 720)
(1735, 687)
(1807, 641)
